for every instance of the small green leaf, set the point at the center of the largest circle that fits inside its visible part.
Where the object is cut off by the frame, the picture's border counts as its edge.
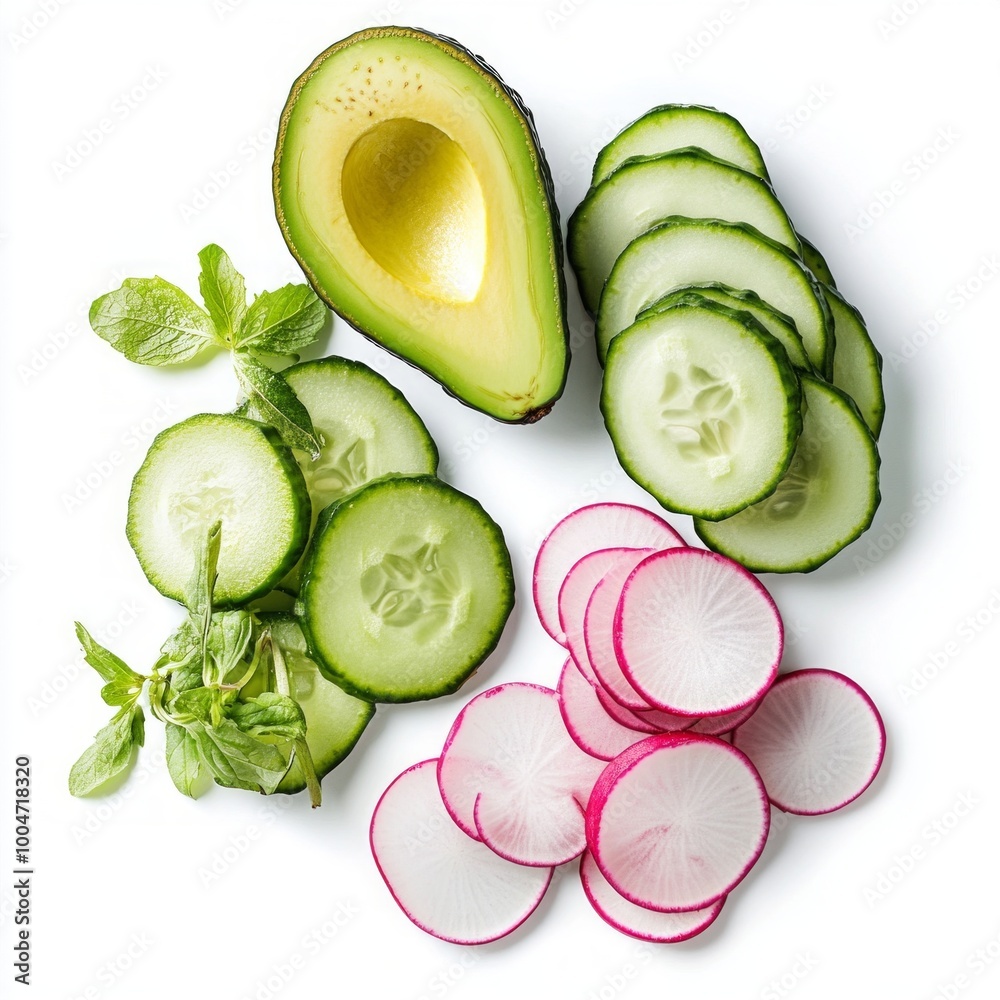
(110, 753)
(110, 667)
(195, 703)
(277, 403)
(202, 585)
(269, 714)
(237, 759)
(117, 693)
(152, 322)
(224, 291)
(181, 656)
(282, 322)
(227, 641)
(183, 760)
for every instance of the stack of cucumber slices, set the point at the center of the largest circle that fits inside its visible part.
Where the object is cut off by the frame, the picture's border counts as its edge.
(740, 386)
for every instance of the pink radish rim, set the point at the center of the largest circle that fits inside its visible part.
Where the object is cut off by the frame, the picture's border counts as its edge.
(713, 910)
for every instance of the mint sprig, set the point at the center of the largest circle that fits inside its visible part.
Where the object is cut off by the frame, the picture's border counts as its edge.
(216, 726)
(153, 322)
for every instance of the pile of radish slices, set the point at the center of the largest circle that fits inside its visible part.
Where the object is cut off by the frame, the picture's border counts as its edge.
(655, 762)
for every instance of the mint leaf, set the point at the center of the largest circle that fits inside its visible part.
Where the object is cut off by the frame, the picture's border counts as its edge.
(181, 645)
(152, 322)
(278, 405)
(110, 667)
(183, 760)
(224, 291)
(282, 322)
(228, 638)
(269, 714)
(236, 759)
(195, 703)
(110, 753)
(118, 693)
(202, 585)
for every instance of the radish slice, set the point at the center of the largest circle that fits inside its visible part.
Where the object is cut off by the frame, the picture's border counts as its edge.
(579, 584)
(598, 526)
(676, 821)
(511, 774)
(599, 621)
(817, 739)
(591, 728)
(719, 725)
(446, 883)
(648, 925)
(697, 634)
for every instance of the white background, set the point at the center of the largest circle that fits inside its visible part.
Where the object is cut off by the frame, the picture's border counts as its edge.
(894, 896)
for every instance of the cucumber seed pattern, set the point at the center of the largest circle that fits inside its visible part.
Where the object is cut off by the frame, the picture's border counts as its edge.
(700, 416)
(336, 473)
(401, 589)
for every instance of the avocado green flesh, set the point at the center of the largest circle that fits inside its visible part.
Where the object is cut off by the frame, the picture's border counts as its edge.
(409, 185)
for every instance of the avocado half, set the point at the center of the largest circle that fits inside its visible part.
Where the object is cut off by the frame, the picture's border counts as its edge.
(410, 186)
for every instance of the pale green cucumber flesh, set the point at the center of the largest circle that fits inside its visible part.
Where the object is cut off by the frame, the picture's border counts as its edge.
(366, 427)
(826, 500)
(406, 589)
(646, 191)
(225, 468)
(857, 364)
(672, 126)
(683, 252)
(703, 407)
(780, 326)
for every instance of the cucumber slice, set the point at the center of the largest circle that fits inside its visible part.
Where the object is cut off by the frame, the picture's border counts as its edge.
(648, 190)
(857, 364)
(672, 126)
(780, 326)
(816, 263)
(335, 719)
(684, 252)
(218, 467)
(703, 407)
(406, 589)
(826, 500)
(366, 426)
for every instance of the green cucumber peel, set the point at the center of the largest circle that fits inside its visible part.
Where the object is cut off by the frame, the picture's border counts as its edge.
(153, 322)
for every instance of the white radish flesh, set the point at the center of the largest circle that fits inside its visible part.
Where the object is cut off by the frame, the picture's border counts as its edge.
(676, 821)
(637, 921)
(446, 883)
(817, 739)
(598, 526)
(512, 775)
(697, 634)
